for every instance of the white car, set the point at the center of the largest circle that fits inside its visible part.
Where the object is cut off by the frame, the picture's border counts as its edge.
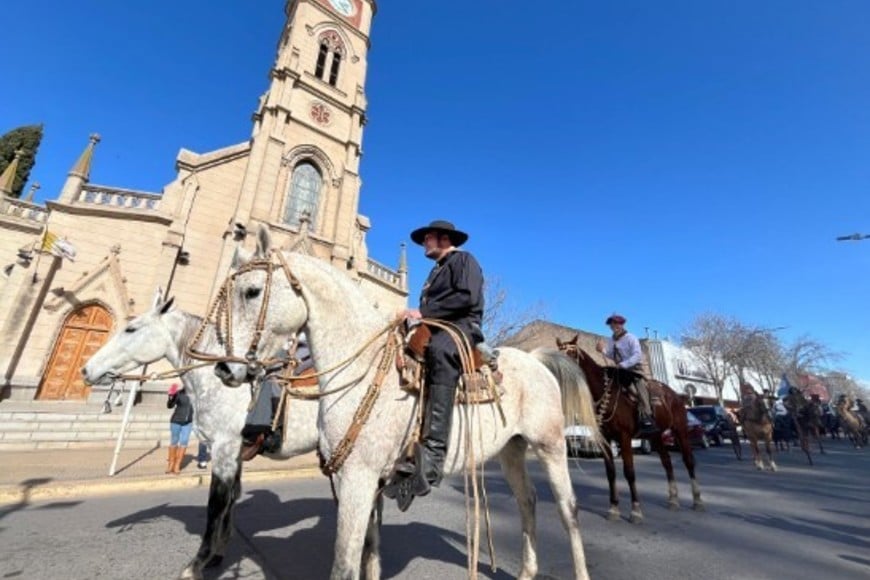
(579, 441)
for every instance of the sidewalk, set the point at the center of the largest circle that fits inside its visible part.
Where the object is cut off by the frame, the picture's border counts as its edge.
(34, 475)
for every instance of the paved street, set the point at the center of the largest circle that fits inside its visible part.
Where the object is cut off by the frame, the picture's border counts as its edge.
(799, 523)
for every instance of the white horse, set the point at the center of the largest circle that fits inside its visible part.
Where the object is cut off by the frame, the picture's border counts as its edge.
(163, 332)
(338, 319)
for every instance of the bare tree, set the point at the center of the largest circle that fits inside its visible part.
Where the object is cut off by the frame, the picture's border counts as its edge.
(807, 355)
(502, 318)
(756, 349)
(840, 383)
(711, 338)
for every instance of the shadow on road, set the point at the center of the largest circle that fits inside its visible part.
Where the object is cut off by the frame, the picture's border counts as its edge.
(294, 538)
(27, 487)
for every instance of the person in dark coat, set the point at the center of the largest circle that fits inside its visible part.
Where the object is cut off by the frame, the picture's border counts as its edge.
(452, 292)
(180, 426)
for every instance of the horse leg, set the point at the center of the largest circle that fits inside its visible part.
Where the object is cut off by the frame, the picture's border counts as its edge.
(768, 447)
(371, 556)
(628, 471)
(356, 497)
(513, 465)
(610, 469)
(689, 462)
(224, 490)
(552, 457)
(673, 494)
(818, 437)
(805, 445)
(756, 453)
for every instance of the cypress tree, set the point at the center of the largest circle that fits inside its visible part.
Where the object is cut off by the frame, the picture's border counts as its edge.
(26, 138)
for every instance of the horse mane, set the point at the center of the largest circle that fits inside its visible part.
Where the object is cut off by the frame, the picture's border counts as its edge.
(189, 328)
(336, 278)
(567, 372)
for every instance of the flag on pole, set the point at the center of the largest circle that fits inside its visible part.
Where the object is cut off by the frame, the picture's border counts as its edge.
(53, 244)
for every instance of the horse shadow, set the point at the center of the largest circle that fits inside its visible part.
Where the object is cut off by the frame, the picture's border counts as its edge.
(840, 533)
(294, 538)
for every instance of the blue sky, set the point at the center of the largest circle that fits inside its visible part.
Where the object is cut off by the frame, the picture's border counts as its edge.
(660, 159)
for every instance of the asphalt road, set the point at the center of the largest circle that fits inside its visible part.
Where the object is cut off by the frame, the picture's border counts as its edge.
(802, 522)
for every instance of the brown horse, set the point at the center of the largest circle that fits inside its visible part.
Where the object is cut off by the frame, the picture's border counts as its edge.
(617, 418)
(807, 419)
(757, 426)
(851, 422)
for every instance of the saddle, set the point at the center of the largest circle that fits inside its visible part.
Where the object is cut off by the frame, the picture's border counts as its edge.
(477, 388)
(625, 379)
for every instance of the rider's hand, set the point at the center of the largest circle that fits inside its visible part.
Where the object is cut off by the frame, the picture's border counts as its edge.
(411, 313)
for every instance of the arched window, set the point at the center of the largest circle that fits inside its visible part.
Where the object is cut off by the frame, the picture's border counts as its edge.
(304, 197)
(329, 57)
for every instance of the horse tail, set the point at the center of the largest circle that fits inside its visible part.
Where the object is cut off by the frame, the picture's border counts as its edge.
(578, 405)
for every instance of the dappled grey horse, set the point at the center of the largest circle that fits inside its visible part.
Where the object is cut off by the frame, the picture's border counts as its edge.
(164, 332)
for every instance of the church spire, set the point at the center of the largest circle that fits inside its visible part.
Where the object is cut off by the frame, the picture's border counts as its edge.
(7, 179)
(403, 266)
(33, 188)
(82, 168)
(80, 172)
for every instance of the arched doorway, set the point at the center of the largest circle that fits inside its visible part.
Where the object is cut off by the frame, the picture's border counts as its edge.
(84, 331)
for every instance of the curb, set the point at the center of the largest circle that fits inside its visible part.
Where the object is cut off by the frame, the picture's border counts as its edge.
(67, 489)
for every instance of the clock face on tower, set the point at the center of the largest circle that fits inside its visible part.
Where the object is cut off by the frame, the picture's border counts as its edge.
(344, 7)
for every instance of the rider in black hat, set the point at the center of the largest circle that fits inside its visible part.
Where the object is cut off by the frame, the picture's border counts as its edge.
(452, 292)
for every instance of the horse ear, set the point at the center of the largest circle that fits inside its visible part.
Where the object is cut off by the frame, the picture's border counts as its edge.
(559, 342)
(264, 242)
(167, 306)
(575, 339)
(241, 257)
(158, 298)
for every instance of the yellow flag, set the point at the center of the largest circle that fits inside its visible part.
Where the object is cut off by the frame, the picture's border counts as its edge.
(61, 248)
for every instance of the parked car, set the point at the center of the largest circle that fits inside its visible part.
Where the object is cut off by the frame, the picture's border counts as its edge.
(579, 441)
(697, 434)
(717, 422)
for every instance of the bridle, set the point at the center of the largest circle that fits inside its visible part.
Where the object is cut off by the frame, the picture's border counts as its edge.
(220, 315)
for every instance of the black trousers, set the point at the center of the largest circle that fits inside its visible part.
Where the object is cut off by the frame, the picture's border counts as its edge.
(443, 364)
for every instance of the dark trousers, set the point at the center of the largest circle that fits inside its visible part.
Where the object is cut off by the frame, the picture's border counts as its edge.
(443, 366)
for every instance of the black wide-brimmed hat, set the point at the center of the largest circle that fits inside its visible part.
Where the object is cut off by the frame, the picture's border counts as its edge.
(615, 318)
(456, 237)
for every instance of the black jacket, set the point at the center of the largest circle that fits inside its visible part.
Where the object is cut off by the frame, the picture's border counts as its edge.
(454, 291)
(183, 413)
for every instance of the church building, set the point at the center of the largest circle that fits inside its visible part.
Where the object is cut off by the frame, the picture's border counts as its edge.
(298, 173)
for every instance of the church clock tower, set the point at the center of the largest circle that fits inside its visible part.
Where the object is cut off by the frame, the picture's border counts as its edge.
(303, 169)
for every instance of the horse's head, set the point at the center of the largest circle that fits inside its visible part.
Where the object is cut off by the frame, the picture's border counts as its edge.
(145, 339)
(570, 347)
(263, 308)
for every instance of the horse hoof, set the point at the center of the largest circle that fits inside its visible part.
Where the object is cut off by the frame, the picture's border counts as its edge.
(699, 507)
(190, 573)
(674, 506)
(773, 467)
(636, 518)
(613, 516)
(215, 561)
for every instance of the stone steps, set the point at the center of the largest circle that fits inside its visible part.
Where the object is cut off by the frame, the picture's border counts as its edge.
(38, 425)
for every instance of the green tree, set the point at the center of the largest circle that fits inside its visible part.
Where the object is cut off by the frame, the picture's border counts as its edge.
(27, 139)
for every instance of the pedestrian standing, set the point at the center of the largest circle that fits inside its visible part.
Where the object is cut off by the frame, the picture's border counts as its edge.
(180, 426)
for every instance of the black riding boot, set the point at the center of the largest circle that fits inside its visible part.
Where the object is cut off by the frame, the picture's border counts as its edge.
(431, 453)
(427, 469)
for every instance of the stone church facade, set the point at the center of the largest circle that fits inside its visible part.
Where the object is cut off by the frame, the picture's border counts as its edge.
(298, 173)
